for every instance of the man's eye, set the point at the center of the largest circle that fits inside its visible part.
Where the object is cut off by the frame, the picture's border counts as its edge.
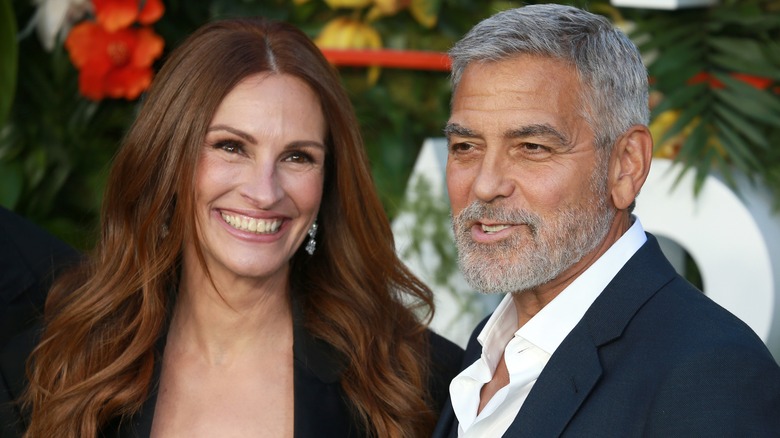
(533, 147)
(460, 147)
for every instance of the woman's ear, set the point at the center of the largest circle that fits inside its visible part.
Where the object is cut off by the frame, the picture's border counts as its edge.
(630, 164)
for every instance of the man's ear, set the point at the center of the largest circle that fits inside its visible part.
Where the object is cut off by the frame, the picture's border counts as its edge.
(630, 164)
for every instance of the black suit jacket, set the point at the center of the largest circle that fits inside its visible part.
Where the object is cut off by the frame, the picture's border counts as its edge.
(652, 356)
(29, 259)
(321, 407)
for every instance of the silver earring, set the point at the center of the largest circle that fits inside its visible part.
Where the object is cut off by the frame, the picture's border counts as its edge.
(311, 245)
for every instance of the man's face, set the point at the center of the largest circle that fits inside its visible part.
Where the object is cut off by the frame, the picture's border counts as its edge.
(527, 186)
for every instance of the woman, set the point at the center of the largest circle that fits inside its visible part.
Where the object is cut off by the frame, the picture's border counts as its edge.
(245, 283)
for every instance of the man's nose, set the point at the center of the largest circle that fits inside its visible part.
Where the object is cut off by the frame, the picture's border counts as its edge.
(493, 179)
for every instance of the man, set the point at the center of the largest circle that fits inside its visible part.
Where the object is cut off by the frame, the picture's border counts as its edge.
(29, 259)
(597, 335)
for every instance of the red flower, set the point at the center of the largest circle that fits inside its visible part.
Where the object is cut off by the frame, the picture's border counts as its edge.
(113, 64)
(756, 81)
(117, 14)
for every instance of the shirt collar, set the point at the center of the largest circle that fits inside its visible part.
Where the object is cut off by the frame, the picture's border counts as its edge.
(498, 331)
(552, 324)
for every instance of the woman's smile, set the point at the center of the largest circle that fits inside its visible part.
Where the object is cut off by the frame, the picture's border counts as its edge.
(253, 225)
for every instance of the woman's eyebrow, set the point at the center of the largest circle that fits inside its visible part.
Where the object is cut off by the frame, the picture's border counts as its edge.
(233, 131)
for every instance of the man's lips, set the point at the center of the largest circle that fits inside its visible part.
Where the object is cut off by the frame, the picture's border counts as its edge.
(490, 229)
(490, 232)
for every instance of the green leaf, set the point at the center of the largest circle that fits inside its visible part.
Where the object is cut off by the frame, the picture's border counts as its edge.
(688, 114)
(710, 160)
(754, 67)
(744, 127)
(772, 52)
(750, 17)
(695, 144)
(35, 166)
(750, 108)
(764, 100)
(11, 184)
(738, 49)
(665, 36)
(736, 149)
(8, 58)
(681, 97)
(677, 57)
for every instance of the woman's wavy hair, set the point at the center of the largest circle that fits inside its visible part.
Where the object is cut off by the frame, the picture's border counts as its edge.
(95, 361)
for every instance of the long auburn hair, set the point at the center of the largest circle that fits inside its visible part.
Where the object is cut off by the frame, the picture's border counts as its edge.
(96, 357)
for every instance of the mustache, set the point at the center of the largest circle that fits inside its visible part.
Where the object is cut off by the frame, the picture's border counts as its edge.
(480, 210)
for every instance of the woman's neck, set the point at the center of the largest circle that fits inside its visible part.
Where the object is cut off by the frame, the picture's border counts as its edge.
(223, 317)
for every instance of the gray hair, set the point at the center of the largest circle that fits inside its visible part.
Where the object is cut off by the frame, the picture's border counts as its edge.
(608, 64)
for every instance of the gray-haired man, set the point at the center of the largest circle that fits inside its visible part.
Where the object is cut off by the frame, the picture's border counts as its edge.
(597, 335)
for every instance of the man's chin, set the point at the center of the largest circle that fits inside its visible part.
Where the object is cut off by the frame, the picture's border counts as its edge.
(494, 284)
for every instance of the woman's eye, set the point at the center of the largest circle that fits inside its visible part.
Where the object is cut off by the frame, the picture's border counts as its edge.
(228, 146)
(299, 157)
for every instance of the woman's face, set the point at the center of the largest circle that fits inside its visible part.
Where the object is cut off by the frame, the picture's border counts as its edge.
(259, 177)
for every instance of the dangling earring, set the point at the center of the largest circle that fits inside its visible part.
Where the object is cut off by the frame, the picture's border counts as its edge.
(164, 231)
(311, 245)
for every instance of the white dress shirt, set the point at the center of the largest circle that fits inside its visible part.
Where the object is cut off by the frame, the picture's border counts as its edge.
(527, 350)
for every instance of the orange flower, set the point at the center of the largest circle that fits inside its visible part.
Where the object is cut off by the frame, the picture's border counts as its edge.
(117, 14)
(113, 64)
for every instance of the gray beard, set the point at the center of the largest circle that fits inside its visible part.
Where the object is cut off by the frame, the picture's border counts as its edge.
(525, 261)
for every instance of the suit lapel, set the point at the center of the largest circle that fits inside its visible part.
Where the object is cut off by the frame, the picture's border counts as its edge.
(575, 368)
(321, 407)
(447, 425)
(140, 424)
(564, 383)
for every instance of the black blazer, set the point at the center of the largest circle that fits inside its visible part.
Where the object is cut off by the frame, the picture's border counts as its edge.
(652, 357)
(29, 259)
(321, 407)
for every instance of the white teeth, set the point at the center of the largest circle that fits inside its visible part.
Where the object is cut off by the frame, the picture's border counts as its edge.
(253, 225)
(493, 228)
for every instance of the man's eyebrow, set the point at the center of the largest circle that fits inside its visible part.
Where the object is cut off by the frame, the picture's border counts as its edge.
(456, 129)
(539, 129)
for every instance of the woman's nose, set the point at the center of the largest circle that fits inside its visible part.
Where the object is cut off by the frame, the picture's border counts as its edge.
(261, 184)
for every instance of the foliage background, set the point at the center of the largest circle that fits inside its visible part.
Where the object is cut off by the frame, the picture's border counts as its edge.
(55, 146)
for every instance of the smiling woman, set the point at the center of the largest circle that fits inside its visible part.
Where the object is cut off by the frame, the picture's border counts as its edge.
(262, 164)
(208, 305)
